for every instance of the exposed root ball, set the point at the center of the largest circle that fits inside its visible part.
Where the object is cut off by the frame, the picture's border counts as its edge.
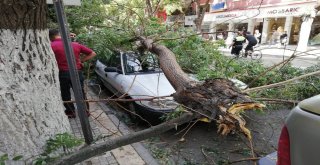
(219, 97)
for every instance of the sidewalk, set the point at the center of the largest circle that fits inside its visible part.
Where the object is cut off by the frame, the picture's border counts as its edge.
(107, 126)
(313, 52)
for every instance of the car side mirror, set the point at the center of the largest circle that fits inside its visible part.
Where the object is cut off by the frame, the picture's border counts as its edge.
(112, 69)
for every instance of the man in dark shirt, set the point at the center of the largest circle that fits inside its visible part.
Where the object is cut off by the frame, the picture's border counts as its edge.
(283, 38)
(252, 41)
(64, 76)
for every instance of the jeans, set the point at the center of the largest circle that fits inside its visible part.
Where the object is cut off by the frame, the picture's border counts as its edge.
(66, 85)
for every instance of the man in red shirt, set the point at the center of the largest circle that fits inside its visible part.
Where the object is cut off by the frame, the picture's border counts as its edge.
(64, 76)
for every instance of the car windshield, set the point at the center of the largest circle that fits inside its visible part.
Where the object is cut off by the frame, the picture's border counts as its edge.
(146, 63)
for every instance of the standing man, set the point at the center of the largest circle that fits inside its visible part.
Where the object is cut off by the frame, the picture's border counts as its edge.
(284, 38)
(64, 76)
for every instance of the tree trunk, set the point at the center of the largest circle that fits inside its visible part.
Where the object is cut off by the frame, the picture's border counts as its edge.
(200, 15)
(97, 149)
(213, 98)
(149, 8)
(168, 63)
(31, 106)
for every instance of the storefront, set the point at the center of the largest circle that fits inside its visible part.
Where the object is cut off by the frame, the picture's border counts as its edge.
(267, 20)
(224, 22)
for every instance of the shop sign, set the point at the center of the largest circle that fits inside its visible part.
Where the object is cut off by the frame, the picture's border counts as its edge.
(287, 11)
(226, 15)
(292, 10)
(68, 2)
(189, 20)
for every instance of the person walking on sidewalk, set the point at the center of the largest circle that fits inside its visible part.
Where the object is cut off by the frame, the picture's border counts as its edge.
(284, 38)
(237, 44)
(64, 76)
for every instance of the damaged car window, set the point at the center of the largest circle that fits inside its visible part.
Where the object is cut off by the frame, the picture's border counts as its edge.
(135, 63)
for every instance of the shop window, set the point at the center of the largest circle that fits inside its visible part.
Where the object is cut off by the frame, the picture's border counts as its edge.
(295, 30)
(275, 30)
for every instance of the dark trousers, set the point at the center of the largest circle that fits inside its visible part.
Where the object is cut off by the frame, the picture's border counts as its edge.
(66, 85)
(250, 46)
(236, 49)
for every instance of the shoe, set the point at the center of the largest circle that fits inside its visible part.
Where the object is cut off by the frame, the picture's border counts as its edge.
(70, 114)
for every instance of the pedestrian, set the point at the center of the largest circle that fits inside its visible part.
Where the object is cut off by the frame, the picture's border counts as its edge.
(64, 76)
(284, 38)
(252, 41)
(274, 37)
(257, 35)
(237, 44)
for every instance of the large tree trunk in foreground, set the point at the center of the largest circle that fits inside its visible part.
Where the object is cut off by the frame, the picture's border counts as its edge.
(31, 107)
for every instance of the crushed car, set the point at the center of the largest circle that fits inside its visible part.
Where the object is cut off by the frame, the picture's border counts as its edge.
(138, 77)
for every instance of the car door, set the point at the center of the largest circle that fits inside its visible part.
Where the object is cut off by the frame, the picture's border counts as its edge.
(111, 78)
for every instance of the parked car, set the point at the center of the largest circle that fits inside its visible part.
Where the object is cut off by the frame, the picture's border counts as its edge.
(138, 77)
(298, 142)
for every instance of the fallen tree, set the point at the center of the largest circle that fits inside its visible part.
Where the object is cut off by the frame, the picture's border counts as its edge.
(214, 98)
(217, 99)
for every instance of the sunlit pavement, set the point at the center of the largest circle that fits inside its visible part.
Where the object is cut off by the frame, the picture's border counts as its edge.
(312, 52)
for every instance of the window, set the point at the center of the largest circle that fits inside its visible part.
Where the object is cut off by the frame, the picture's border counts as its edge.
(141, 63)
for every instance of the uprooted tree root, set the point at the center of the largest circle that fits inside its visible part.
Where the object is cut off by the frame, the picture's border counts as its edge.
(219, 100)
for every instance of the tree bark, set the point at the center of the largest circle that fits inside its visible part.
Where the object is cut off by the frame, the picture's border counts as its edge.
(168, 63)
(201, 14)
(149, 8)
(31, 106)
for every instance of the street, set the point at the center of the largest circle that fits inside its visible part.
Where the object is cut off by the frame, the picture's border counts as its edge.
(269, 60)
(271, 56)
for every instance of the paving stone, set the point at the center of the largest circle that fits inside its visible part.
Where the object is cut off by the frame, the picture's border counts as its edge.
(103, 129)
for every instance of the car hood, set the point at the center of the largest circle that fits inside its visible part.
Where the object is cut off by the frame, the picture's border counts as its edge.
(153, 84)
(311, 104)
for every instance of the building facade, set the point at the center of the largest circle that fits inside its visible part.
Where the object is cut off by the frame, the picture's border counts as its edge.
(271, 18)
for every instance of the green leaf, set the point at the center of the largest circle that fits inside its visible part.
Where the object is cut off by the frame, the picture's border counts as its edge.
(17, 157)
(4, 157)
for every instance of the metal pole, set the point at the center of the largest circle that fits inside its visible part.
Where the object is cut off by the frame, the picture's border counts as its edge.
(81, 106)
